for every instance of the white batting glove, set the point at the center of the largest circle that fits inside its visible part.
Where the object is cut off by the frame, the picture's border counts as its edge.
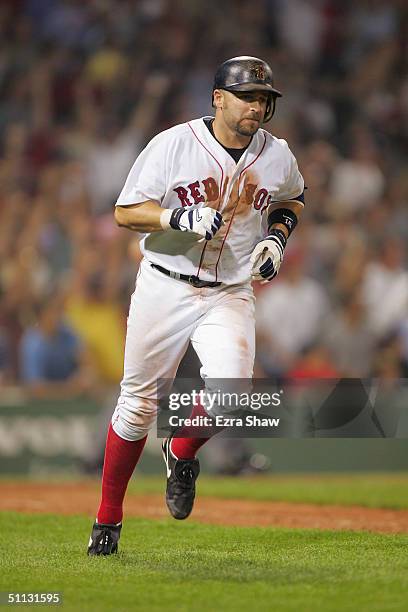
(267, 256)
(203, 221)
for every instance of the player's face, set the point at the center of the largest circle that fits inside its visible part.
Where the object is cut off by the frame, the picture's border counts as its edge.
(244, 111)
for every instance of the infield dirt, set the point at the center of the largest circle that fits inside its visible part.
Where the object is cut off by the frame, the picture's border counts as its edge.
(82, 498)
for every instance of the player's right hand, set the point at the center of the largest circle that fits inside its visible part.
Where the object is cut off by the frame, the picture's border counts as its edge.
(203, 221)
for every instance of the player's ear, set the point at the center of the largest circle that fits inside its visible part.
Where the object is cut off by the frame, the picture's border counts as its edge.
(218, 98)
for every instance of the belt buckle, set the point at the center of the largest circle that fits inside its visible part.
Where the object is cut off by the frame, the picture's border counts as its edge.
(194, 281)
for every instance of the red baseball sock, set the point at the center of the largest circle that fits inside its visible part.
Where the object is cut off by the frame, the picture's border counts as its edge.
(187, 446)
(121, 457)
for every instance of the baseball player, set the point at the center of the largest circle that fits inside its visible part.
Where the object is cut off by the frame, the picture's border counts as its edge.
(216, 199)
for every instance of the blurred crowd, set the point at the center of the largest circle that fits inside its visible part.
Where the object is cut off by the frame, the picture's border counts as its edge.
(84, 86)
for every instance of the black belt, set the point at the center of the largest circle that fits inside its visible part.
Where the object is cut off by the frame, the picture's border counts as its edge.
(188, 278)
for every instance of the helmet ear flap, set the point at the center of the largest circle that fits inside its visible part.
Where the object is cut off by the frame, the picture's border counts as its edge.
(270, 108)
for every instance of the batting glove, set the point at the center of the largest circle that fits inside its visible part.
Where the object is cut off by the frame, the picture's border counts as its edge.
(267, 256)
(203, 221)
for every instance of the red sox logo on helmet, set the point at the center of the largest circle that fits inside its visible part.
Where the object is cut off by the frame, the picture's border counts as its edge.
(259, 72)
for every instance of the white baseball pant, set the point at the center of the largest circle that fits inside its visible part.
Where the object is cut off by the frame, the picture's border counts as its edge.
(164, 316)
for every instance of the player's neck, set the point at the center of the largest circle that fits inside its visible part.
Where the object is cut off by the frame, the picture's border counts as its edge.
(227, 137)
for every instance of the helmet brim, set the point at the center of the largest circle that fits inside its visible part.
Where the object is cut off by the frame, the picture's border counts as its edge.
(252, 87)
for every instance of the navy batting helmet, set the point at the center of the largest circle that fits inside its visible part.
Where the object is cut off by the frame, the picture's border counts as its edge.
(246, 73)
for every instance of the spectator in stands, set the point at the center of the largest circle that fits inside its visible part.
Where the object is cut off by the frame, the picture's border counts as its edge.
(289, 315)
(385, 288)
(95, 313)
(349, 338)
(314, 362)
(358, 182)
(53, 362)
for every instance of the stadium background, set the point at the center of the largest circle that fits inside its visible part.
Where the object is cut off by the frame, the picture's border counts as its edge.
(83, 87)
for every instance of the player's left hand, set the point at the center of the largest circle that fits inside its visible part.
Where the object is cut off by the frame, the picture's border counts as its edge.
(267, 256)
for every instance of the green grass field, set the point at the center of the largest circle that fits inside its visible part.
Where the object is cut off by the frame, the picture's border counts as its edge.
(373, 490)
(185, 566)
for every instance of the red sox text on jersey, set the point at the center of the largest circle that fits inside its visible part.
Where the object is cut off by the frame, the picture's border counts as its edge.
(207, 191)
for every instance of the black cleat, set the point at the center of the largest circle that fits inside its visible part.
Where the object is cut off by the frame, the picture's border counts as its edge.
(104, 539)
(181, 477)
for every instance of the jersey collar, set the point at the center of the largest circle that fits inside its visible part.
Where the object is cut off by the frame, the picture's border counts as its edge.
(216, 149)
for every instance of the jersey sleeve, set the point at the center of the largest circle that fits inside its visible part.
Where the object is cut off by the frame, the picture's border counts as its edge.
(293, 187)
(147, 177)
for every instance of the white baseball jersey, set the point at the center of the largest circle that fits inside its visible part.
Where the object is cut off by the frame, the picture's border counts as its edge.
(186, 166)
